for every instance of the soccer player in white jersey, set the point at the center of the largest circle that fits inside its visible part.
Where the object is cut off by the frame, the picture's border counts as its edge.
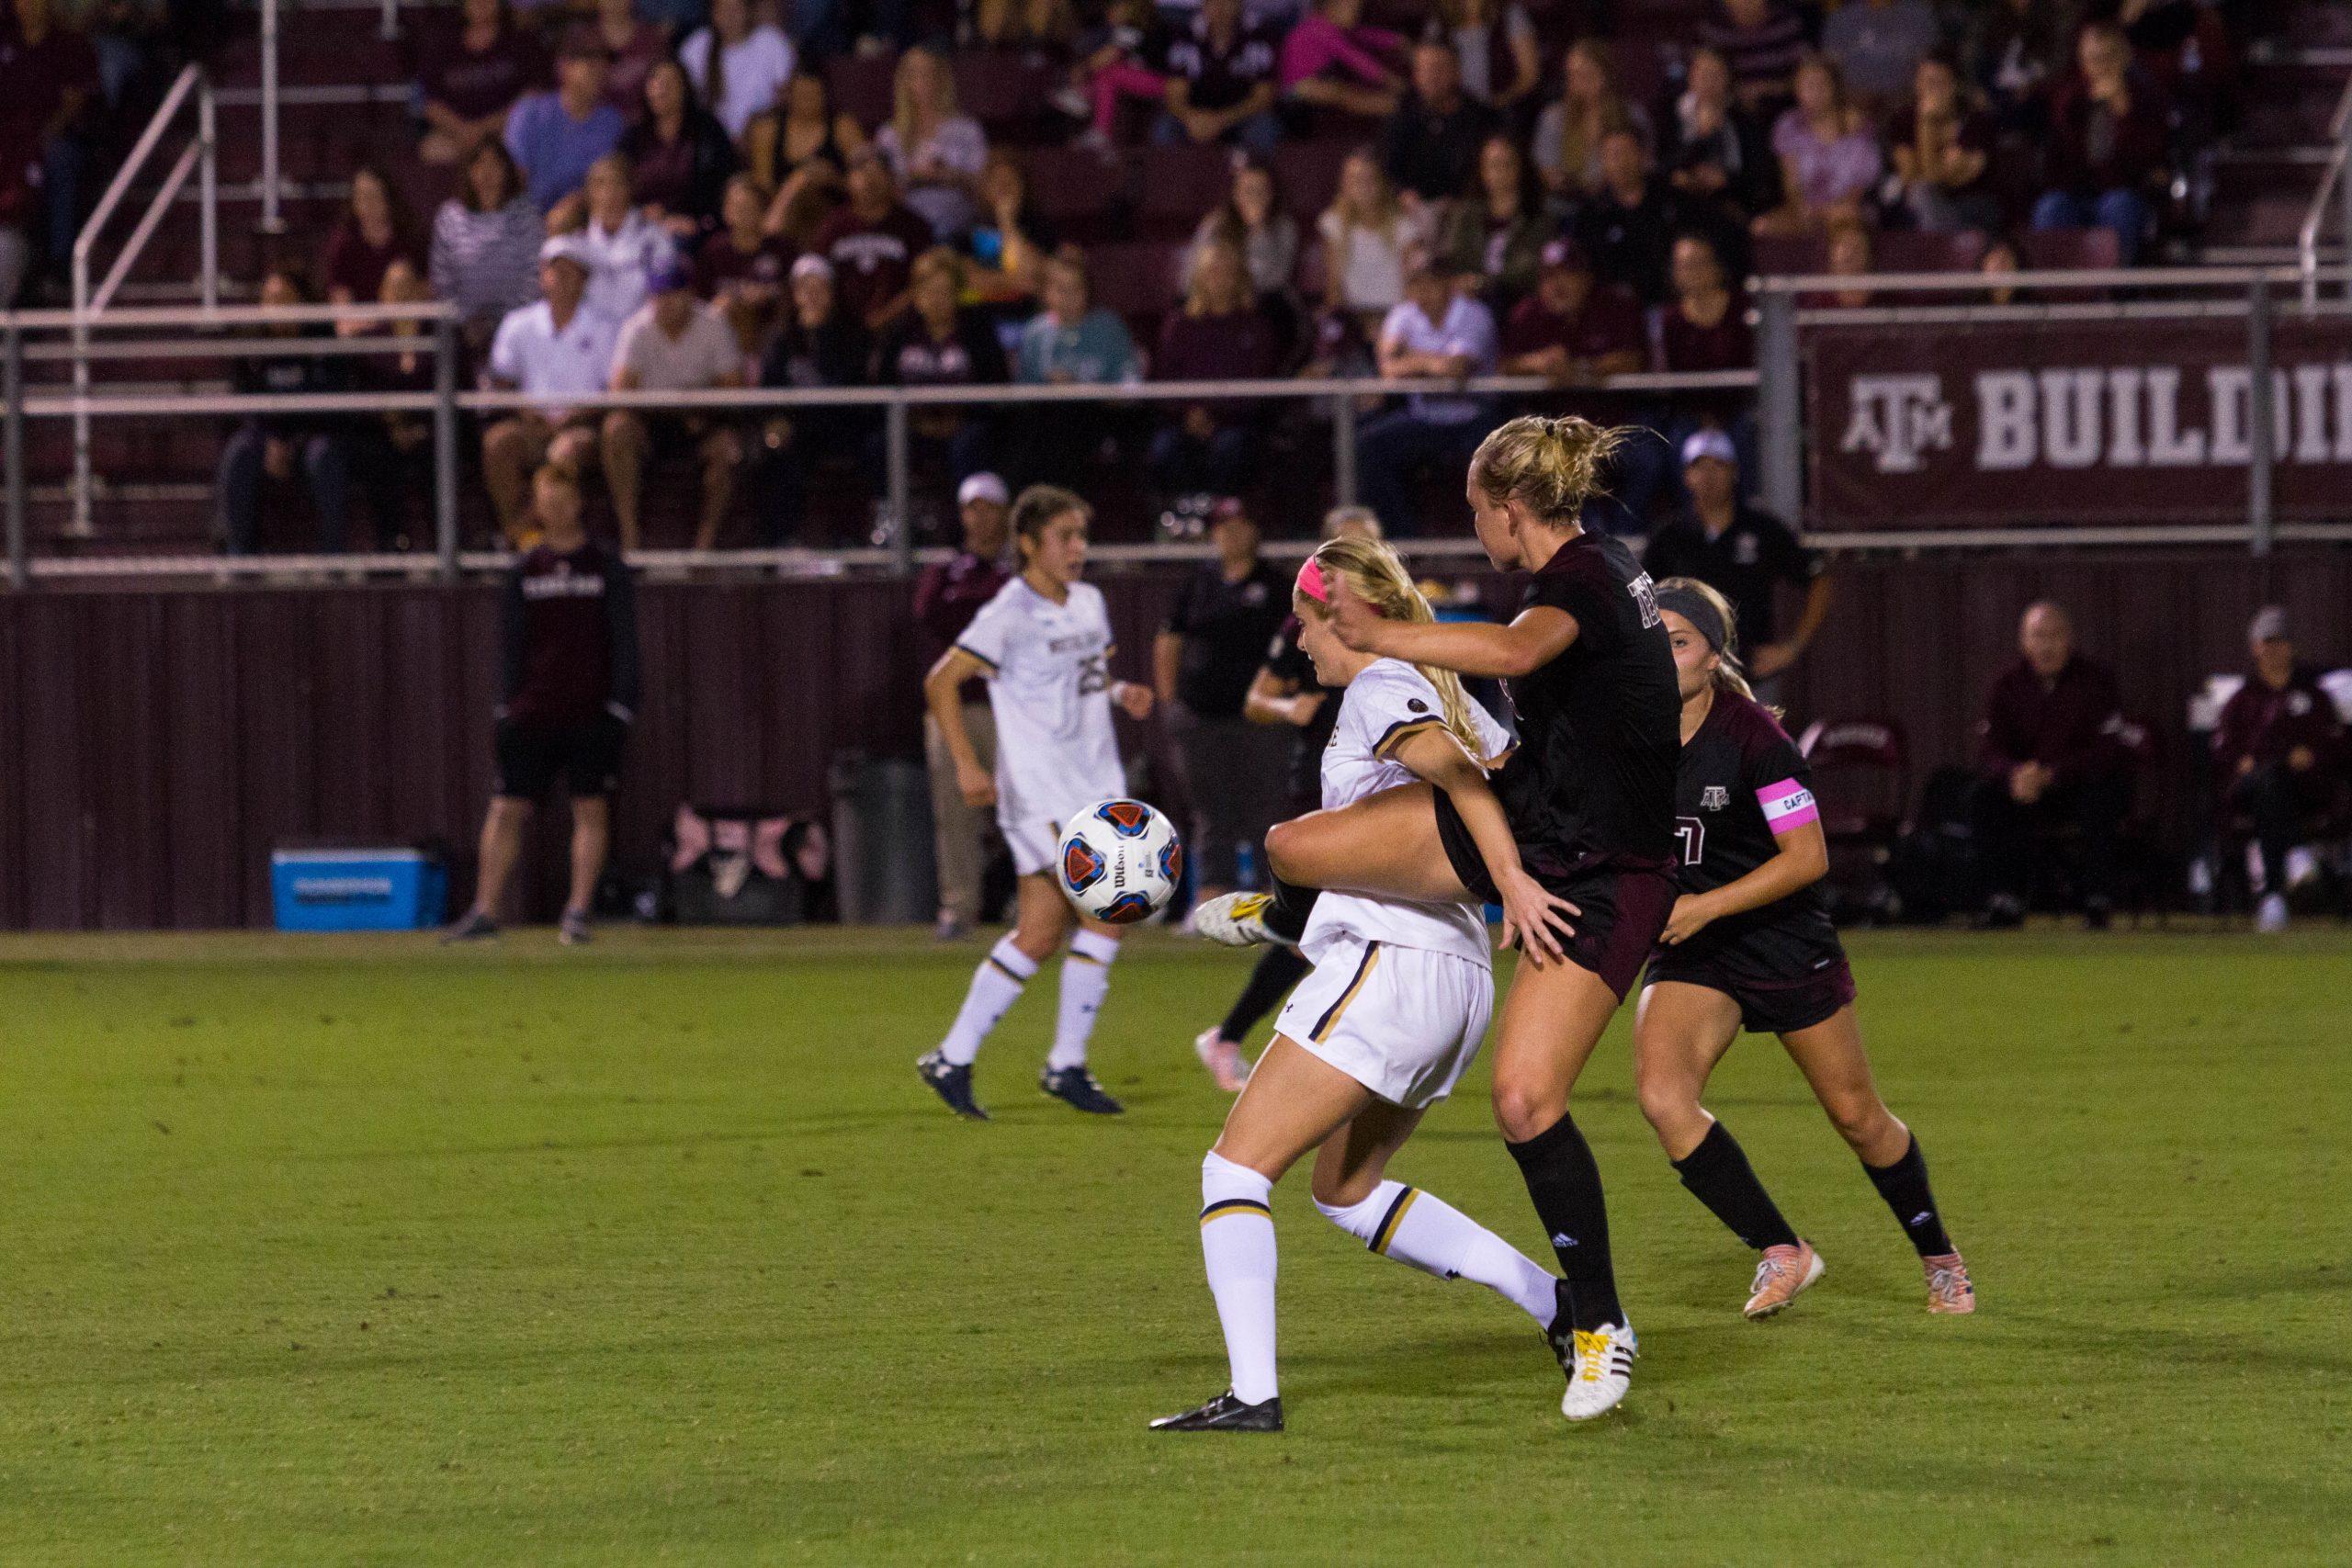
(1393, 1011)
(1044, 646)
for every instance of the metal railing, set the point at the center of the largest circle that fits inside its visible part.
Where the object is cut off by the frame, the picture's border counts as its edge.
(1782, 310)
(90, 304)
(2337, 181)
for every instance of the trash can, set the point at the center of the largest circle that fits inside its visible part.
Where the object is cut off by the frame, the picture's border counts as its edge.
(883, 870)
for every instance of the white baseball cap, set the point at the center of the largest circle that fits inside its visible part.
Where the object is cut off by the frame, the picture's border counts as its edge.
(1709, 444)
(983, 487)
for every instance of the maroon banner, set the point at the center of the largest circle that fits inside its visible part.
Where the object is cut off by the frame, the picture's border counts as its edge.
(1951, 425)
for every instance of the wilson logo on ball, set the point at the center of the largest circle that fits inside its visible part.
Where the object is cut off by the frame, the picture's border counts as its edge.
(1129, 817)
(1081, 867)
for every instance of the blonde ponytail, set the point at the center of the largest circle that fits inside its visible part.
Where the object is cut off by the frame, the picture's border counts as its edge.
(1550, 466)
(1376, 574)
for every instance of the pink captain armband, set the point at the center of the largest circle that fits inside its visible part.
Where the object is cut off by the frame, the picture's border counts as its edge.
(1788, 806)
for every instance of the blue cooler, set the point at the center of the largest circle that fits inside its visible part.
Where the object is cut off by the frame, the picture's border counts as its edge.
(357, 889)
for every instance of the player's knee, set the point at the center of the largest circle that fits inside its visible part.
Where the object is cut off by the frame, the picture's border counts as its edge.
(1524, 1108)
(1668, 1098)
(1285, 842)
(1859, 1118)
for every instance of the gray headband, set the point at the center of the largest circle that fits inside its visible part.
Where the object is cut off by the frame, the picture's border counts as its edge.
(1704, 619)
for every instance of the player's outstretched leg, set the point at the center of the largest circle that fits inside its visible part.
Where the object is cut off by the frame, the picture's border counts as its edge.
(1681, 1033)
(1831, 1057)
(1086, 980)
(1220, 1048)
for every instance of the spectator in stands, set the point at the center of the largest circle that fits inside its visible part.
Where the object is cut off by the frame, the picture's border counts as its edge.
(1493, 47)
(391, 454)
(2001, 259)
(741, 268)
(1492, 240)
(1369, 241)
(1334, 60)
(1568, 133)
(872, 239)
(937, 342)
(1118, 62)
(1439, 334)
(555, 136)
(279, 445)
(2278, 750)
(1202, 662)
(1219, 335)
(1430, 146)
(1627, 226)
(1220, 82)
(471, 72)
(635, 46)
(673, 345)
(1044, 24)
(486, 243)
(622, 244)
(2107, 144)
(1877, 45)
(819, 344)
(1762, 40)
(567, 695)
(1829, 158)
(1005, 251)
(936, 153)
(16, 204)
(1941, 146)
(947, 595)
(1704, 325)
(374, 232)
(1848, 254)
(680, 156)
(799, 150)
(1572, 329)
(1742, 552)
(1073, 342)
(48, 79)
(2048, 757)
(2010, 50)
(1718, 158)
(742, 75)
(1253, 219)
(554, 349)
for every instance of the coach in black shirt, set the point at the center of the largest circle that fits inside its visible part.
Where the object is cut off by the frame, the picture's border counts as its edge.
(1429, 145)
(1202, 664)
(1743, 554)
(568, 693)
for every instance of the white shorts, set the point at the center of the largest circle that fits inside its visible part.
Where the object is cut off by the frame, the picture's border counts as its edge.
(1036, 845)
(1403, 1022)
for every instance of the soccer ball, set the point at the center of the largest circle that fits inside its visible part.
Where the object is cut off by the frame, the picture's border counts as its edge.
(1121, 860)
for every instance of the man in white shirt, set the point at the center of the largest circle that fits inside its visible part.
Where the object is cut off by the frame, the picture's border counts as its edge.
(673, 345)
(1436, 332)
(554, 348)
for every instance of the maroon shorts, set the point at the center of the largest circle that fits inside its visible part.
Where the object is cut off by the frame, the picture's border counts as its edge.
(1768, 1009)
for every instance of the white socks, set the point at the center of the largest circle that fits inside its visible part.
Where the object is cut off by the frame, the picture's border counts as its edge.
(1419, 1228)
(1086, 980)
(996, 986)
(1237, 1244)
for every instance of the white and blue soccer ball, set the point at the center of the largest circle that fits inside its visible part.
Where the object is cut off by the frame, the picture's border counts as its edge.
(1121, 860)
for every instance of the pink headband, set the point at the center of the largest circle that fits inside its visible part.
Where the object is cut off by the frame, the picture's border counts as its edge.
(1310, 581)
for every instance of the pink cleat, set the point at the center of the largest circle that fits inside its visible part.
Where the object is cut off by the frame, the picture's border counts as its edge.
(1949, 1288)
(1223, 1058)
(1781, 1273)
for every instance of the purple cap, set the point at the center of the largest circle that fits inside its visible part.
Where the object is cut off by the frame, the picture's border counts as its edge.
(1563, 254)
(667, 274)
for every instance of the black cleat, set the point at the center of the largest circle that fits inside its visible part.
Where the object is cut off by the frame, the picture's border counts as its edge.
(1076, 1087)
(951, 1083)
(1226, 1414)
(475, 926)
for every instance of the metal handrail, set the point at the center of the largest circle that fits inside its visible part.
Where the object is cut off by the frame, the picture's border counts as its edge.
(2337, 177)
(2143, 278)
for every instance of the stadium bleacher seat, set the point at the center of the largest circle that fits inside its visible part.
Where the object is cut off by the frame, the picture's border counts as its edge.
(2070, 250)
(1911, 251)
(1177, 184)
(1141, 279)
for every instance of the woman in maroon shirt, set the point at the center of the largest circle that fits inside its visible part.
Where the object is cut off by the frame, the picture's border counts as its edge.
(469, 74)
(680, 155)
(374, 232)
(1219, 335)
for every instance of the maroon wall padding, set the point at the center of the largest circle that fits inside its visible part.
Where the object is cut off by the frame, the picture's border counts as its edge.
(156, 743)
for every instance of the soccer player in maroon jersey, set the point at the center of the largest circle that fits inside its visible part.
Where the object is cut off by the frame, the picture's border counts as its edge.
(1590, 795)
(567, 695)
(1750, 945)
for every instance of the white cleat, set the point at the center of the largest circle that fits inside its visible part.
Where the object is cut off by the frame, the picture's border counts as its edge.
(1604, 1370)
(1234, 919)
(2271, 917)
(1223, 1058)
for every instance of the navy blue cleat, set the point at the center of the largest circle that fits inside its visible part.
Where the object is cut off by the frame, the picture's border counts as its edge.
(953, 1083)
(1076, 1087)
(1226, 1414)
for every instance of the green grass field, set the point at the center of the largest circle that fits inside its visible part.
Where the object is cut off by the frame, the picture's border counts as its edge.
(356, 1251)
